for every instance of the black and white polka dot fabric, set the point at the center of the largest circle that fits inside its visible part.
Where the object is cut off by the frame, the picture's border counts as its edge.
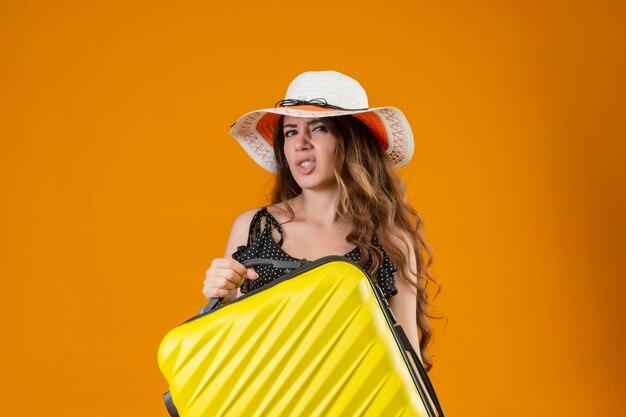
(262, 245)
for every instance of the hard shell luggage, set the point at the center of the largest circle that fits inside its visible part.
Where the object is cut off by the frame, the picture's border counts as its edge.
(319, 341)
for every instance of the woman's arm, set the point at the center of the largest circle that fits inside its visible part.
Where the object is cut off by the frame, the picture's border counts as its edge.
(225, 275)
(239, 232)
(404, 304)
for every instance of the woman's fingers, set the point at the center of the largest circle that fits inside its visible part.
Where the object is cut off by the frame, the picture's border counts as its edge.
(231, 264)
(228, 269)
(222, 283)
(251, 274)
(223, 278)
(213, 292)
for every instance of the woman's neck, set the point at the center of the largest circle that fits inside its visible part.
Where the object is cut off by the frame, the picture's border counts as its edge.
(317, 206)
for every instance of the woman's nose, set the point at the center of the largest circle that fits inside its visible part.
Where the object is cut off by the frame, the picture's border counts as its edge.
(302, 142)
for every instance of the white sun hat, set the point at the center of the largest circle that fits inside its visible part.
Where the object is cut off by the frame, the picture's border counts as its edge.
(324, 94)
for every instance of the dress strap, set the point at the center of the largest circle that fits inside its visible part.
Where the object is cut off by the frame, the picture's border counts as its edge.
(262, 224)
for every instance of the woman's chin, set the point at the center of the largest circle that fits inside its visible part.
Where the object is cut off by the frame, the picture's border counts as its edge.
(314, 184)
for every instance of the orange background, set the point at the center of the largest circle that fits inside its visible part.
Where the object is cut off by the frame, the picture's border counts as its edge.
(119, 183)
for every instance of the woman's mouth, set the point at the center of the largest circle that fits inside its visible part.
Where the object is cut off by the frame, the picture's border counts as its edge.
(306, 166)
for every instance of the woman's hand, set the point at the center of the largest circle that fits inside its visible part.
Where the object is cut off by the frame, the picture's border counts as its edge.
(223, 278)
(225, 274)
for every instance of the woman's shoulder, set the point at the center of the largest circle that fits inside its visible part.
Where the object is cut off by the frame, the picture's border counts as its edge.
(250, 225)
(260, 215)
(246, 217)
(280, 211)
(240, 230)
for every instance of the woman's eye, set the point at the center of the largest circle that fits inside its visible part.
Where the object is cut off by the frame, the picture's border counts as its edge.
(289, 133)
(320, 128)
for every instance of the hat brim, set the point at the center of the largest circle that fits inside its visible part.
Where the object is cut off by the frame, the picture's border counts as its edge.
(255, 130)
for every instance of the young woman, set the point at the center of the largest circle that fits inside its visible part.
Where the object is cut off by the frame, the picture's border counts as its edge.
(336, 193)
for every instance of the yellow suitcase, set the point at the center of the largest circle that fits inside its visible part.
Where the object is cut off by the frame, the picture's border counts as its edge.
(319, 341)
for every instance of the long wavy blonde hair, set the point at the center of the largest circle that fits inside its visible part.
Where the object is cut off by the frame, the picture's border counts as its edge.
(373, 196)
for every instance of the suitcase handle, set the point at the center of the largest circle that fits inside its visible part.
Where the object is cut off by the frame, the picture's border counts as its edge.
(214, 302)
(169, 404)
(422, 372)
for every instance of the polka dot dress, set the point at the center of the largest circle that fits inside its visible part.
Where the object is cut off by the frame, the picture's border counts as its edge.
(262, 245)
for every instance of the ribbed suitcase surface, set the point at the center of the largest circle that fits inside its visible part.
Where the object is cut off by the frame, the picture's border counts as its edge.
(314, 344)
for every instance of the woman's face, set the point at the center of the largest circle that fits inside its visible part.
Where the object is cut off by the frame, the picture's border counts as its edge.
(309, 149)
